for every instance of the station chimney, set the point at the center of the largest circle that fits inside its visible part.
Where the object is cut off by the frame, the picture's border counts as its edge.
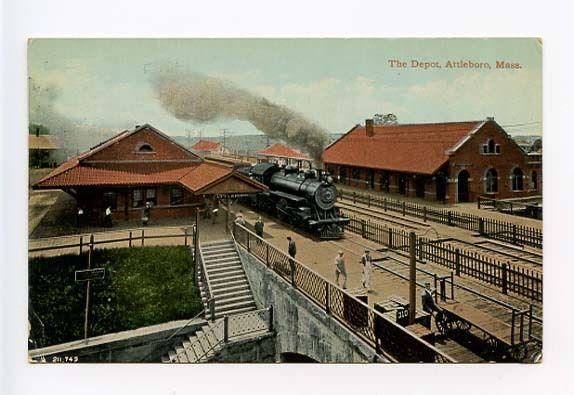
(369, 127)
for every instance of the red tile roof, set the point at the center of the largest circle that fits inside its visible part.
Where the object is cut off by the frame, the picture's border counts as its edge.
(282, 151)
(191, 174)
(414, 148)
(205, 145)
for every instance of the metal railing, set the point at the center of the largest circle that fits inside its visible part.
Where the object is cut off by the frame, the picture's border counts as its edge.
(231, 328)
(510, 278)
(202, 277)
(384, 335)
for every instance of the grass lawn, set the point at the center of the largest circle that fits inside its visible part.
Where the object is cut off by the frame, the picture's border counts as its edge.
(142, 286)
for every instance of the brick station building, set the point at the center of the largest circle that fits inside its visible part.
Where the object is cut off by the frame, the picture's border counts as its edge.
(143, 166)
(451, 162)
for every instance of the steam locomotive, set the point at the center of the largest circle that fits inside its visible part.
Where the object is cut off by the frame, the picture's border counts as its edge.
(304, 199)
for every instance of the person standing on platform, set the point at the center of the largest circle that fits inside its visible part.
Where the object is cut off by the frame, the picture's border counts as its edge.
(259, 227)
(79, 217)
(108, 217)
(340, 269)
(292, 250)
(239, 219)
(367, 262)
(146, 214)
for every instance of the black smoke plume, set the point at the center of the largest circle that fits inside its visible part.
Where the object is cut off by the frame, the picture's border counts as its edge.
(191, 96)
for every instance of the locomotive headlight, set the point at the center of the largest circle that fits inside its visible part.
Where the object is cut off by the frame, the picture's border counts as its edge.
(329, 179)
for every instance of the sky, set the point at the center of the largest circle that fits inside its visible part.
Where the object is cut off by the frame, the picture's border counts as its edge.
(336, 83)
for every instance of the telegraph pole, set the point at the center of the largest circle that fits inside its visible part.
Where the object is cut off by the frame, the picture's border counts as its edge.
(224, 138)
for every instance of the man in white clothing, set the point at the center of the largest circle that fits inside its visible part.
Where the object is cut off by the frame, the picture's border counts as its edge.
(367, 262)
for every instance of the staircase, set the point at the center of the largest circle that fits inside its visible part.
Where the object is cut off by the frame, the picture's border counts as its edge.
(200, 346)
(229, 284)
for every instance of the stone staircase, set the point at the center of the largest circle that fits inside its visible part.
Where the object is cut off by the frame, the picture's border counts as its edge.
(229, 284)
(199, 347)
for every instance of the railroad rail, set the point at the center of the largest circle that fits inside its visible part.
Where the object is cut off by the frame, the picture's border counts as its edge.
(489, 228)
(509, 278)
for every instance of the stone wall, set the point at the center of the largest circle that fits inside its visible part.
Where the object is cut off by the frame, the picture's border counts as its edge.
(300, 325)
(260, 349)
(146, 344)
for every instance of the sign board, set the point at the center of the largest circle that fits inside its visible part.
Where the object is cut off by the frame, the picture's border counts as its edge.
(402, 315)
(90, 274)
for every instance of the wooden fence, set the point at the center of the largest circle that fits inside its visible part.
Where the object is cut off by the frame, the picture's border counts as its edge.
(490, 228)
(508, 277)
(131, 238)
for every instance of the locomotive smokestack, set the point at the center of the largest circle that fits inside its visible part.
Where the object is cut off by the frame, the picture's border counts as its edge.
(369, 127)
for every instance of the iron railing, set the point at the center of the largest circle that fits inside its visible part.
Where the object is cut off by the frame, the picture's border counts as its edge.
(510, 278)
(384, 335)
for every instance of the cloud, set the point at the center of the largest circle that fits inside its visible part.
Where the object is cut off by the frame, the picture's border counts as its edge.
(511, 96)
(334, 103)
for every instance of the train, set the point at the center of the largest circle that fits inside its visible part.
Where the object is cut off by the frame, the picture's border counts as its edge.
(305, 199)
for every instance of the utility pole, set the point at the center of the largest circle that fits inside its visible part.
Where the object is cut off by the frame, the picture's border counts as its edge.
(224, 138)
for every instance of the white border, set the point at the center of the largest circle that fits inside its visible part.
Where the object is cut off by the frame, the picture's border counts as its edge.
(295, 18)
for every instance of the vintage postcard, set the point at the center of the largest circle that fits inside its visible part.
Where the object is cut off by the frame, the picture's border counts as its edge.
(285, 200)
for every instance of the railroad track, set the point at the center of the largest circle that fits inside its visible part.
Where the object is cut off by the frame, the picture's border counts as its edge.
(368, 213)
(394, 265)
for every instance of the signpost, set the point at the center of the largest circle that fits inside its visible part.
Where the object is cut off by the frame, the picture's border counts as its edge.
(88, 275)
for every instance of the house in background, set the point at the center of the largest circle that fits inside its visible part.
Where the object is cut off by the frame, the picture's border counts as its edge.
(42, 149)
(284, 155)
(143, 166)
(205, 148)
(451, 162)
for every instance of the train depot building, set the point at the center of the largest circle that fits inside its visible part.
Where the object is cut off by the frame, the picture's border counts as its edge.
(144, 167)
(450, 162)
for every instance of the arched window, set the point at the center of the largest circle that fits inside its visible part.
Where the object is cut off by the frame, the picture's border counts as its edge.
(491, 146)
(534, 180)
(491, 181)
(145, 148)
(516, 179)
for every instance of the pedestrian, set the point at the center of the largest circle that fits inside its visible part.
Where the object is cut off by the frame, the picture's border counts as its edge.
(427, 299)
(367, 262)
(214, 211)
(239, 219)
(108, 217)
(79, 217)
(259, 228)
(340, 269)
(292, 250)
(146, 214)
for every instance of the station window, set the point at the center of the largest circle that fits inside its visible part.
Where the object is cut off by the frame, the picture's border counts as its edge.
(150, 196)
(137, 198)
(111, 200)
(534, 181)
(491, 181)
(144, 148)
(490, 147)
(356, 173)
(516, 178)
(176, 196)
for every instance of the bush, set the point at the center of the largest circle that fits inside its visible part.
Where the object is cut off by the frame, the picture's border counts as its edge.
(142, 286)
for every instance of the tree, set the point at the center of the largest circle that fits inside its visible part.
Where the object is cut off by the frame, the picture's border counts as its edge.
(34, 127)
(387, 119)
